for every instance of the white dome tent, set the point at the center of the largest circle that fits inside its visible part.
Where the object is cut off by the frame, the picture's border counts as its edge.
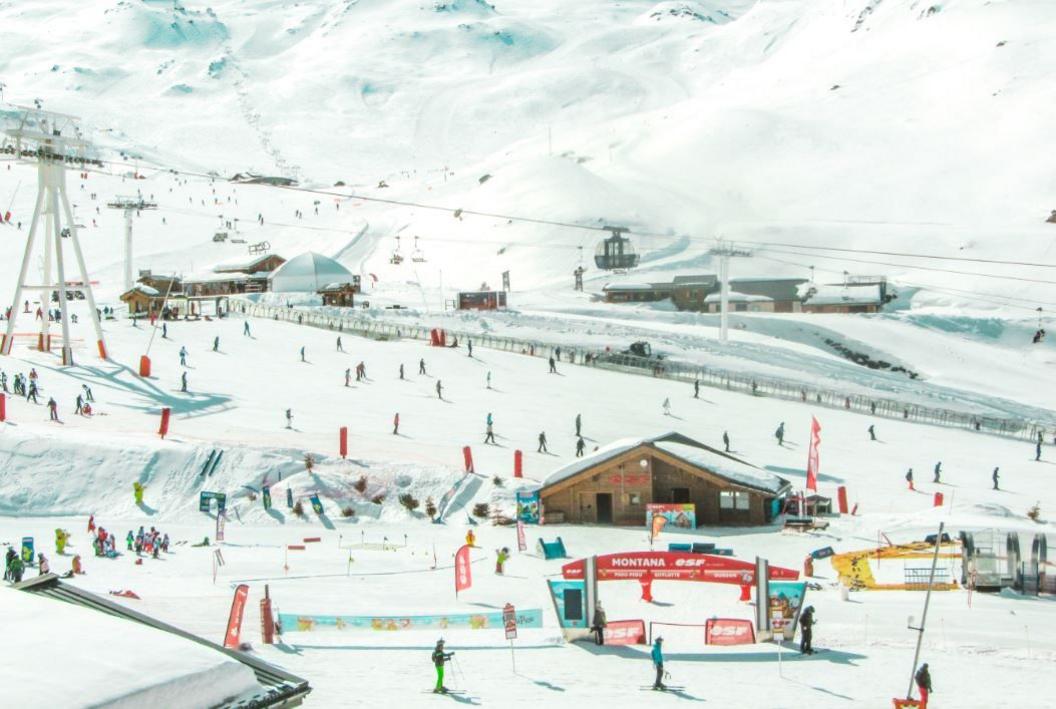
(307, 273)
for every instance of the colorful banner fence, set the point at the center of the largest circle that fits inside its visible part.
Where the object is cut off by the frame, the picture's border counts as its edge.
(674, 566)
(292, 622)
(679, 515)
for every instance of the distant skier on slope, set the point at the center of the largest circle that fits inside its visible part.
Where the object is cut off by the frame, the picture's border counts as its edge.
(421, 367)
(995, 477)
(696, 388)
(872, 432)
(553, 366)
(396, 424)
(726, 440)
(439, 658)
(938, 472)
(779, 434)
(439, 390)
(909, 479)
(580, 446)
(542, 443)
(183, 356)
(216, 344)
(289, 418)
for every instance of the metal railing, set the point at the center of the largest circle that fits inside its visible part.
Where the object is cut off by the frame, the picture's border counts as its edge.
(771, 387)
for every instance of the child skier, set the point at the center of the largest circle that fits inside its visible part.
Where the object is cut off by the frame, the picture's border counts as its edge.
(501, 556)
(439, 658)
(658, 661)
(923, 678)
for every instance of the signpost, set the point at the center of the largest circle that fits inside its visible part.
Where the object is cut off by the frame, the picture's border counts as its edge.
(509, 622)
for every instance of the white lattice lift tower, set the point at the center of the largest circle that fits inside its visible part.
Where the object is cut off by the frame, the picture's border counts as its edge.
(725, 251)
(53, 142)
(130, 206)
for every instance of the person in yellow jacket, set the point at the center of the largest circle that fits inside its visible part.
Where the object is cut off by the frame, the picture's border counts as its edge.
(471, 539)
(61, 537)
(137, 489)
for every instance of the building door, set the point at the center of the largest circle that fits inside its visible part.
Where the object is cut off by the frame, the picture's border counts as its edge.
(680, 495)
(603, 506)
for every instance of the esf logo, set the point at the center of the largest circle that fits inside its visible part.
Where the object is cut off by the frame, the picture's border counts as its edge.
(692, 563)
(730, 631)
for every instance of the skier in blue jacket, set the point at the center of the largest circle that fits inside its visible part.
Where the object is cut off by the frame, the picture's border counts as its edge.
(658, 661)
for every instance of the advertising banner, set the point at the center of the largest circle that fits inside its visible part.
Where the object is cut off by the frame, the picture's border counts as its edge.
(729, 631)
(625, 632)
(528, 507)
(569, 599)
(463, 570)
(522, 543)
(680, 515)
(232, 638)
(659, 522)
(307, 623)
(674, 566)
(28, 551)
(786, 601)
(812, 454)
(509, 621)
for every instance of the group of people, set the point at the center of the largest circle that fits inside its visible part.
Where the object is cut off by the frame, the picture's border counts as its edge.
(151, 543)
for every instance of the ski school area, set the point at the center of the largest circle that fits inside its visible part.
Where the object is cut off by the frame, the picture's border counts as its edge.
(368, 546)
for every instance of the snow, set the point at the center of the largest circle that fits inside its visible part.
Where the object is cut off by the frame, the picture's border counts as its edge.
(247, 265)
(307, 272)
(104, 660)
(726, 466)
(735, 297)
(146, 290)
(820, 294)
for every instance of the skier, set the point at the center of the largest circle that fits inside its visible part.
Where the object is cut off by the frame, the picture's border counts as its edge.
(302, 354)
(137, 490)
(658, 662)
(87, 393)
(580, 446)
(806, 624)
(938, 471)
(53, 411)
(923, 678)
(79, 407)
(553, 366)
(164, 331)
(909, 479)
(216, 344)
(872, 432)
(579, 425)
(421, 367)
(667, 407)
(61, 537)
(696, 388)
(542, 443)
(726, 440)
(289, 418)
(501, 557)
(339, 347)
(42, 565)
(348, 376)
(439, 658)
(130, 540)
(183, 381)
(490, 435)
(469, 347)
(1037, 448)
(245, 328)
(994, 477)
(33, 392)
(779, 434)
(396, 424)
(439, 390)
(401, 370)
(600, 622)
(183, 356)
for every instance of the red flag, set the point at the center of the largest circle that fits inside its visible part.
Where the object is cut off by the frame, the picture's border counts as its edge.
(812, 455)
(234, 621)
(463, 573)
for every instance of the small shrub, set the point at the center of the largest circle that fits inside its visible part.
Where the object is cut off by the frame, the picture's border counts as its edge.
(347, 511)
(298, 508)
(361, 484)
(251, 496)
(481, 510)
(309, 462)
(378, 499)
(430, 507)
(409, 501)
(497, 481)
(1034, 512)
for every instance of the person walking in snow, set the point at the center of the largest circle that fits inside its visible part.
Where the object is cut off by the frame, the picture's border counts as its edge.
(401, 370)
(553, 365)
(439, 658)
(1037, 448)
(339, 347)
(726, 440)
(421, 367)
(302, 354)
(32, 391)
(995, 477)
(696, 388)
(658, 662)
(806, 627)
(289, 418)
(348, 376)
(216, 344)
(600, 621)
(245, 328)
(501, 557)
(469, 347)
(938, 472)
(87, 392)
(79, 406)
(923, 679)
(183, 381)
(439, 390)
(53, 411)
(872, 432)
(779, 434)
(164, 331)
(580, 446)
(667, 407)
(542, 443)
(490, 433)
(909, 478)
(396, 424)
(183, 356)
(579, 425)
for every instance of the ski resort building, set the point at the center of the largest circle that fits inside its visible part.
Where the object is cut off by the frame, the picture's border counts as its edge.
(636, 292)
(340, 295)
(849, 298)
(482, 300)
(615, 483)
(308, 273)
(232, 278)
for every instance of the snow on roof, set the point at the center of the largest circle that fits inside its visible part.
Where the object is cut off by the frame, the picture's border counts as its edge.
(734, 470)
(736, 297)
(307, 272)
(145, 290)
(211, 277)
(108, 661)
(611, 450)
(637, 286)
(246, 265)
(841, 294)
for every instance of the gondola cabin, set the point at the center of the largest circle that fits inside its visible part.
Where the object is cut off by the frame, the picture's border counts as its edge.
(616, 253)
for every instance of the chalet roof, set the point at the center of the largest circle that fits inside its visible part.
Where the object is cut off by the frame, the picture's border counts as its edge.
(637, 286)
(735, 297)
(685, 449)
(336, 287)
(248, 265)
(707, 279)
(777, 288)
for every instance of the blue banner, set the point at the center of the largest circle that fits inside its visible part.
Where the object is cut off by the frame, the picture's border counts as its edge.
(28, 552)
(570, 602)
(528, 507)
(294, 623)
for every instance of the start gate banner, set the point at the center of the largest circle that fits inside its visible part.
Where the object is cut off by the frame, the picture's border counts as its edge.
(729, 631)
(678, 515)
(528, 507)
(625, 632)
(674, 566)
(307, 623)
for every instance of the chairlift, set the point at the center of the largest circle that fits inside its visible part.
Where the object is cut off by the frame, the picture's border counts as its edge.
(220, 236)
(616, 253)
(417, 256)
(397, 258)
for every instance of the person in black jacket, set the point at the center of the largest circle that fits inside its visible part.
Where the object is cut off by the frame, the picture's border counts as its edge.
(439, 658)
(600, 621)
(923, 678)
(806, 627)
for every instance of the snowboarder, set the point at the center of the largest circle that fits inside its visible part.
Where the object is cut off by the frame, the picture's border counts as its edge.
(439, 658)
(137, 490)
(696, 388)
(553, 366)
(580, 446)
(216, 344)
(779, 434)
(53, 409)
(501, 557)
(245, 328)
(1037, 448)
(339, 347)
(995, 477)
(396, 424)
(872, 432)
(938, 472)
(183, 356)
(289, 418)
(909, 479)
(923, 678)
(667, 407)
(600, 622)
(183, 381)
(726, 440)
(542, 443)
(579, 425)
(439, 390)
(421, 367)
(658, 662)
(806, 624)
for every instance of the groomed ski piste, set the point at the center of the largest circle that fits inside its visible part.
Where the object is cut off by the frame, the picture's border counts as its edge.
(890, 125)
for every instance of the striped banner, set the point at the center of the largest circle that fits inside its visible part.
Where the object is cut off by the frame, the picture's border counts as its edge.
(293, 622)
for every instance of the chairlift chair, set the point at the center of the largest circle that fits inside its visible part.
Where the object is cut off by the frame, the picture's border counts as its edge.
(397, 258)
(417, 256)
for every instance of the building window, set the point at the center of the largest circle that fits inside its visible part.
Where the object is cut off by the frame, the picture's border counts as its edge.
(733, 500)
(636, 498)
